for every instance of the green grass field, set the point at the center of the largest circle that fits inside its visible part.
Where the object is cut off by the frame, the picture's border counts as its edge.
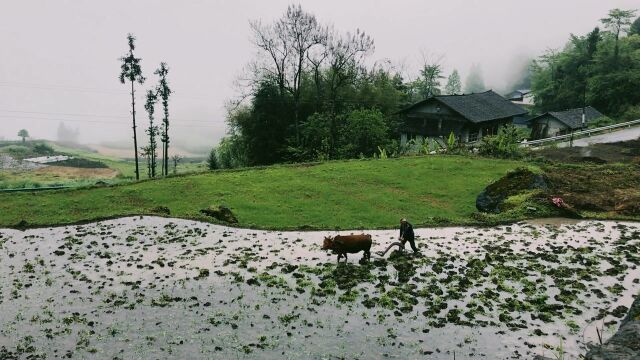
(344, 194)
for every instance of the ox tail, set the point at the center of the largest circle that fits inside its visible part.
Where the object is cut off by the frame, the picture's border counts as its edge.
(397, 243)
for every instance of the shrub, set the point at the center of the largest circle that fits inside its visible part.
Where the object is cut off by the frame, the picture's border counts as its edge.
(212, 160)
(362, 133)
(16, 151)
(505, 145)
(43, 149)
(632, 113)
(601, 121)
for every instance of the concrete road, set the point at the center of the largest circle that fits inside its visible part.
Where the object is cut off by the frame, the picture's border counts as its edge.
(620, 135)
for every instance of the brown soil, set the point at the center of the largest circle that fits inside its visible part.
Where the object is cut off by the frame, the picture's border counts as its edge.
(77, 173)
(598, 188)
(554, 221)
(620, 152)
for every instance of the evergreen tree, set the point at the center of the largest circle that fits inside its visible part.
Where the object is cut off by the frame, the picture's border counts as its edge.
(212, 160)
(152, 131)
(618, 21)
(634, 29)
(132, 71)
(454, 85)
(429, 83)
(164, 92)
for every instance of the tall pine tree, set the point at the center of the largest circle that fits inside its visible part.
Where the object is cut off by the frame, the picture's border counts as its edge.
(454, 85)
(164, 92)
(132, 71)
(152, 131)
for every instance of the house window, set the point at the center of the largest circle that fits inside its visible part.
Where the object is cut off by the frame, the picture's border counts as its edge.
(473, 136)
(489, 131)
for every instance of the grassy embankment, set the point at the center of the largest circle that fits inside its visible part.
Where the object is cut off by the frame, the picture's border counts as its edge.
(342, 194)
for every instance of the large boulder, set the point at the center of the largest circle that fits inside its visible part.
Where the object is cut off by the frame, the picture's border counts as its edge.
(221, 213)
(514, 183)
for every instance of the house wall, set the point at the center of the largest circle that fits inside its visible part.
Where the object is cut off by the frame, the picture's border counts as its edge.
(548, 126)
(524, 100)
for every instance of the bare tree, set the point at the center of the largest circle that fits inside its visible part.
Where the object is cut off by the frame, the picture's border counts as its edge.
(286, 44)
(316, 57)
(132, 71)
(345, 56)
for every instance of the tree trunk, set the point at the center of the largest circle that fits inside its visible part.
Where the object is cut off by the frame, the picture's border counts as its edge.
(166, 140)
(163, 157)
(135, 138)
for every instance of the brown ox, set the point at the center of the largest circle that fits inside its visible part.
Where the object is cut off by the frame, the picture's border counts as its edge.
(343, 244)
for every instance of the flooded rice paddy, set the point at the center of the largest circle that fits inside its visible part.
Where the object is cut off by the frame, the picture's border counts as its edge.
(148, 287)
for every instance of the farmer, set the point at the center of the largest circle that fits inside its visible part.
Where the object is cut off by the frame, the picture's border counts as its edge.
(406, 234)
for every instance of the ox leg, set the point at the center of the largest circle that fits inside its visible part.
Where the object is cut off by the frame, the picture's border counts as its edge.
(368, 254)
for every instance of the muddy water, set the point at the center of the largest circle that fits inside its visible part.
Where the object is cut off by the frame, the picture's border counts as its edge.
(146, 287)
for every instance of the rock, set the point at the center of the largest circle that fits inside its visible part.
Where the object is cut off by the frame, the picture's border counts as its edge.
(22, 224)
(634, 312)
(624, 344)
(515, 182)
(221, 213)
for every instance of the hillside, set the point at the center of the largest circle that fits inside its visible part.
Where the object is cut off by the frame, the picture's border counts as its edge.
(345, 194)
(86, 167)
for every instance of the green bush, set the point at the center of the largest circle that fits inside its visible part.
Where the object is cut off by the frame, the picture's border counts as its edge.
(17, 151)
(505, 145)
(43, 149)
(632, 113)
(212, 160)
(601, 121)
(362, 133)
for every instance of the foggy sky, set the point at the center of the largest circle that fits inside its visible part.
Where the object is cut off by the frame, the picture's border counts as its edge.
(59, 59)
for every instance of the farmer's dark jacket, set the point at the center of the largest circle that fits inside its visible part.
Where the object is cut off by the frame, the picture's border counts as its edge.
(406, 231)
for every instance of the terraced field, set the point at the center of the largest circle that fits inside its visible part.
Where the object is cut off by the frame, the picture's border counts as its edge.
(149, 287)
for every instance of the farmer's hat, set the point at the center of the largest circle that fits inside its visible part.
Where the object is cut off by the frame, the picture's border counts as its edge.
(403, 220)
